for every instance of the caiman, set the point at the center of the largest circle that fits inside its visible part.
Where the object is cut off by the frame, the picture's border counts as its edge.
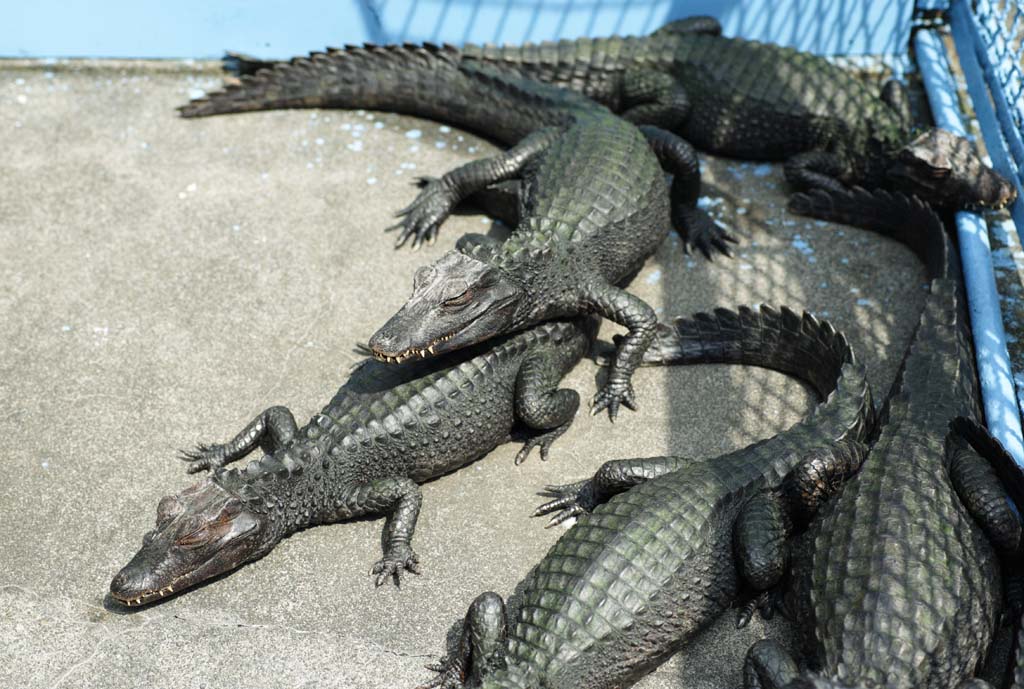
(651, 560)
(898, 581)
(754, 101)
(592, 204)
(386, 430)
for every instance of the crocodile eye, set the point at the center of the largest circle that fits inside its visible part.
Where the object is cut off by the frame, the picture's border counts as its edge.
(459, 300)
(195, 538)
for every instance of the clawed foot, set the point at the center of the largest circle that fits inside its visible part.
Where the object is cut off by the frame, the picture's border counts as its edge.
(421, 219)
(705, 235)
(542, 440)
(764, 603)
(393, 564)
(204, 457)
(450, 675)
(571, 500)
(611, 397)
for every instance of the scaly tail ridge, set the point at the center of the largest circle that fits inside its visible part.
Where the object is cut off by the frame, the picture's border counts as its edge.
(908, 220)
(782, 340)
(396, 78)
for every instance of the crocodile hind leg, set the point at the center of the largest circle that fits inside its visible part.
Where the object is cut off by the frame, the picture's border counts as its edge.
(768, 666)
(612, 478)
(982, 492)
(439, 196)
(696, 228)
(766, 521)
(641, 322)
(817, 170)
(478, 651)
(651, 97)
(273, 428)
(400, 499)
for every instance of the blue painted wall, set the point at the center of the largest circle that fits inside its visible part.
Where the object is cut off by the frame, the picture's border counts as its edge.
(277, 29)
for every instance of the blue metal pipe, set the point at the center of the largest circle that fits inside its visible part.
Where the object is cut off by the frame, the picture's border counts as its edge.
(1001, 412)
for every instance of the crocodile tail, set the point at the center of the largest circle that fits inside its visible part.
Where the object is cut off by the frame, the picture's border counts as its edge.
(800, 345)
(413, 79)
(908, 220)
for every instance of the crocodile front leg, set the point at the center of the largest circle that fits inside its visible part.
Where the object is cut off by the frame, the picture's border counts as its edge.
(894, 94)
(273, 427)
(768, 666)
(640, 320)
(478, 652)
(614, 477)
(817, 170)
(695, 226)
(421, 219)
(400, 499)
(539, 403)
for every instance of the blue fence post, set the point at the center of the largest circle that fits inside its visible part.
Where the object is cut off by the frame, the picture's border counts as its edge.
(1001, 411)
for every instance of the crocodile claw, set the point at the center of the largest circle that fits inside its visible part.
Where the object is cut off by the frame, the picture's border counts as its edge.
(450, 675)
(704, 234)
(391, 567)
(204, 457)
(543, 440)
(421, 219)
(611, 397)
(570, 500)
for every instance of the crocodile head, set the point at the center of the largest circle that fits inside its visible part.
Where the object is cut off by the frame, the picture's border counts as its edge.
(943, 169)
(456, 302)
(200, 533)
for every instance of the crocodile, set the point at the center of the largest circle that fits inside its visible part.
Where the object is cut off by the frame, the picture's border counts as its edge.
(592, 205)
(898, 581)
(752, 100)
(650, 561)
(387, 429)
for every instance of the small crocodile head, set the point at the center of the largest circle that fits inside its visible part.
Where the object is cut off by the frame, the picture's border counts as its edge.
(456, 302)
(200, 533)
(943, 169)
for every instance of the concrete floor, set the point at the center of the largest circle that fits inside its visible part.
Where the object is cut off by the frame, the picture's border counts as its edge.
(163, 280)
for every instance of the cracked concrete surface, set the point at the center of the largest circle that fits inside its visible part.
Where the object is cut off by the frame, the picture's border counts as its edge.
(162, 280)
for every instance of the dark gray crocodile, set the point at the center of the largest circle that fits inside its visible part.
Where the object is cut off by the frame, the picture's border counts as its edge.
(744, 99)
(898, 583)
(387, 429)
(592, 207)
(644, 569)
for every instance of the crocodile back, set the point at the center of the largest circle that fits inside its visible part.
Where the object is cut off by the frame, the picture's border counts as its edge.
(900, 587)
(764, 101)
(419, 426)
(591, 66)
(595, 200)
(637, 577)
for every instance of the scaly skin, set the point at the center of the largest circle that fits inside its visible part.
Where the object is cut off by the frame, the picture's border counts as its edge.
(760, 101)
(645, 569)
(897, 583)
(387, 429)
(592, 209)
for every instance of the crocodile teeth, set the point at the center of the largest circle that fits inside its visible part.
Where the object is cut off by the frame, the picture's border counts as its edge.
(431, 349)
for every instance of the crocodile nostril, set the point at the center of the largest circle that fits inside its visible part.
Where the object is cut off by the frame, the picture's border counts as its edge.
(119, 582)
